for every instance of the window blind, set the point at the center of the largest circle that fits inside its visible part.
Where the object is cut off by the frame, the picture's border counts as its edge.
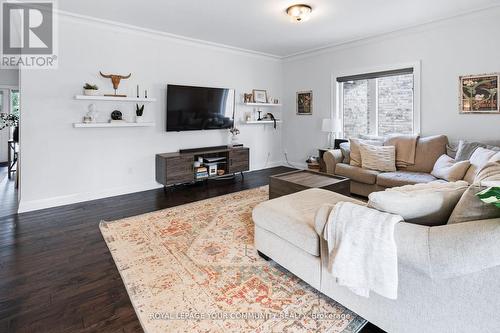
(368, 76)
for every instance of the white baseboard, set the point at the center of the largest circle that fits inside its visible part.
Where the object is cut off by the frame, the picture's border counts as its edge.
(295, 164)
(268, 165)
(31, 205)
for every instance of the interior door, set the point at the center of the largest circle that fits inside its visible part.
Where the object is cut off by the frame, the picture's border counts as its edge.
(4, 133)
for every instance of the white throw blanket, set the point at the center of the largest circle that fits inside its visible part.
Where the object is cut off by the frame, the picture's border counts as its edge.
(362, 249)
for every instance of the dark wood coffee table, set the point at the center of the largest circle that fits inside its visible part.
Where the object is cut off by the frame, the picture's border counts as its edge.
(299, 180)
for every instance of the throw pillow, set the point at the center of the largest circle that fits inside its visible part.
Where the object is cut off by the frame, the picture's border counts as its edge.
(471, 208)
(446, 168)
(466, 149)
(451, 151)
(478, 160)
(355, 156)
(379, 158)
(495, 158)
(427, 204)
(346, 152)
(490, 172)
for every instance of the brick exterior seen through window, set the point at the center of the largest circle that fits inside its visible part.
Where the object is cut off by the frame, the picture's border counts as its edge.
(378, 106)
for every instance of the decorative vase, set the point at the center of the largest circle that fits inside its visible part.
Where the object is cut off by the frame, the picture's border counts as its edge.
(139, 119)
(234, 140)
(90, 92)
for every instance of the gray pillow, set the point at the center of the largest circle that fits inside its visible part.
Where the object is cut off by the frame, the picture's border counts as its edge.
(471, 208)
(451, 151)
(345, 147)
(466, 149)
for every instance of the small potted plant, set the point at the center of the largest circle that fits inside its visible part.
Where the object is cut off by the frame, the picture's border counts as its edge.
(138, 113)
(10, 120)
(234, 133)
(90, 89)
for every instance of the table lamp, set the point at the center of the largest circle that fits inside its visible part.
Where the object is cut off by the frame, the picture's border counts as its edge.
(328, 126)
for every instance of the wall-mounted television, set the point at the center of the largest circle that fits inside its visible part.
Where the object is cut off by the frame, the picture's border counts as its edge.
(199, 108)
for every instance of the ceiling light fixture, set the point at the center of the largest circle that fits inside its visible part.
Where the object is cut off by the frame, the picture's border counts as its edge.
(299, 13)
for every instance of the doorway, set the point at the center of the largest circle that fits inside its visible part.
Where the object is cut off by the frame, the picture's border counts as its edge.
(9, 149)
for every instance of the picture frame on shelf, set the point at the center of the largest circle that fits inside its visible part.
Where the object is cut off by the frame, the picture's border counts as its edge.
(247, 98)
(259, 96)
(304, 102)
(479, 94)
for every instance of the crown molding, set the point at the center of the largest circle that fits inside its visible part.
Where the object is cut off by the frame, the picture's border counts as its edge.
(294, 56)
(385, 35)
(165, 35)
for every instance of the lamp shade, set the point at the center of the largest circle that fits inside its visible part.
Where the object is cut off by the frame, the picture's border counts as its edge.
(327, 125)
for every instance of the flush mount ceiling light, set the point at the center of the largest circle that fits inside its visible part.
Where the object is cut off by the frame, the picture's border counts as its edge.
(299, 13)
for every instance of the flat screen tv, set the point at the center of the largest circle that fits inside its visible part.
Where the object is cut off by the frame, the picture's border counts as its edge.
(199, 108)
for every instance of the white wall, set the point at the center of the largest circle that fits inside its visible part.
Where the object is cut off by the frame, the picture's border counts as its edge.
(61, 164)
(448, 49)
(9, 77)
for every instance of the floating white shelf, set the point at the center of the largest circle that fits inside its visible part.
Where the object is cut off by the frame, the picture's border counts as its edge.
(106, 125)
(114, 99)
(261, 104)
(254, 122)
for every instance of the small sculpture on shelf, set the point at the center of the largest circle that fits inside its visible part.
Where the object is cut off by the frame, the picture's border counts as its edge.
(138, 113)
(115, 79)
(116, 116)
(91, 115)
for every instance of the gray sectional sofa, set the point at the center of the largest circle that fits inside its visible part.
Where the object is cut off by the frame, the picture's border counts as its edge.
(448, 275)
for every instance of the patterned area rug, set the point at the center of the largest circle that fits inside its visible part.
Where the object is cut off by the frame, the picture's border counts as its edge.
(193, 268)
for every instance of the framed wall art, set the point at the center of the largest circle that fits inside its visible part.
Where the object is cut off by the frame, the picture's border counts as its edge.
(304, 102)
(259, 96)
(479, 94)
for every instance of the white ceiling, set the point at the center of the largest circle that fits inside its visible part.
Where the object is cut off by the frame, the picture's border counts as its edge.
(262, 25)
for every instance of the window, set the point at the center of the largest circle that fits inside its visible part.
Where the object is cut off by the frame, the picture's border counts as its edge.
(378, 103)
(14, 101)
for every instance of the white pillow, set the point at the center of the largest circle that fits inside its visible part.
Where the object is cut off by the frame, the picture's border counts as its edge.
(428, 204)
(446, 168)
(355, 155)
(478, 160)
(380, 158)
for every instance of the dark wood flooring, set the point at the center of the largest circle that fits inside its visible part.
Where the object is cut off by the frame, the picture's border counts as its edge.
(56, 273)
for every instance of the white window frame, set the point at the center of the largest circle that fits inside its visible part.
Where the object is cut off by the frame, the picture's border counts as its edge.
(337, 95)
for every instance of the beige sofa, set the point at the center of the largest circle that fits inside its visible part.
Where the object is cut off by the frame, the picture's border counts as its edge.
(448, 275)
(364, 181)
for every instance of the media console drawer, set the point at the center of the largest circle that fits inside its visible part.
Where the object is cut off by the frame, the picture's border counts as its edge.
(239, 160)
(180, 170)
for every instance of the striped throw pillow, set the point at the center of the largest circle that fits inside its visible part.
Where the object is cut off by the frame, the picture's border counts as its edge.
(380, 158)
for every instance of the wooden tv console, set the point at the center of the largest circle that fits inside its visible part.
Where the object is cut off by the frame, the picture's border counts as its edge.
(177, 168)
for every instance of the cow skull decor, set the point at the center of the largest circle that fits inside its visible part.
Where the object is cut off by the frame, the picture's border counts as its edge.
(115, 79)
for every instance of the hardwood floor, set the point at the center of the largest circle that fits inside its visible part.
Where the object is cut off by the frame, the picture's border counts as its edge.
(56, 273)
